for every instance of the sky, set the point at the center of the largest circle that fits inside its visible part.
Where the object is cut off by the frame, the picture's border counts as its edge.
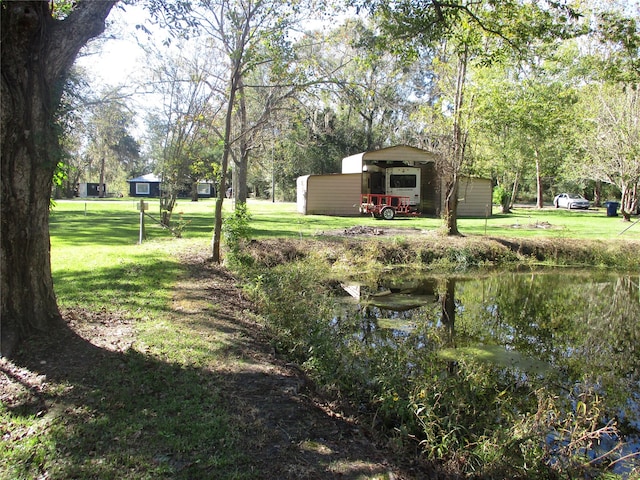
(118, 58)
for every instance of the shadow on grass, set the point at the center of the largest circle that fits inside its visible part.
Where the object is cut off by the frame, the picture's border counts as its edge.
(121, 414)
(136, 284)
(97, 403)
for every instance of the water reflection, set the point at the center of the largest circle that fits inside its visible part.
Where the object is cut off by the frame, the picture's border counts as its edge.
(577, 331)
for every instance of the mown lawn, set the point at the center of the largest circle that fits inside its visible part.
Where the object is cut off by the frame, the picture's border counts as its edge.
(140, 413)
(97, 262)
(269, 219)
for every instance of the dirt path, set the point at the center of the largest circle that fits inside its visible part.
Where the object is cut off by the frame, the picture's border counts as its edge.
(286, 430)
(289, 432)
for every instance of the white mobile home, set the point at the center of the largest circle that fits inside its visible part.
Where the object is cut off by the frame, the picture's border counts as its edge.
(394, 169)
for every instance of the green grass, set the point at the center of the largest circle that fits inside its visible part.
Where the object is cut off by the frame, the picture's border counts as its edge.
(282, 220)
(154, 411)
(141, 418)
(552, 223)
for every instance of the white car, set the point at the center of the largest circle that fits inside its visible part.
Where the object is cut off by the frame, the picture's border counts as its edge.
(570, 200)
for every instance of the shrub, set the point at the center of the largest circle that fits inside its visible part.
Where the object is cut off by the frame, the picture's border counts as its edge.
(236, 230)
(502, 197)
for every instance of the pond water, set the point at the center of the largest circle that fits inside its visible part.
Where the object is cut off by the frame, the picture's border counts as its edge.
(573, 331)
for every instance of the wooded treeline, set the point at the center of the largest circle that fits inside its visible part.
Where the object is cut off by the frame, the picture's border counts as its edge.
(519, 93)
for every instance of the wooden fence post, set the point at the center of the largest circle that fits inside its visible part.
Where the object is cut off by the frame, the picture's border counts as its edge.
(142, 207)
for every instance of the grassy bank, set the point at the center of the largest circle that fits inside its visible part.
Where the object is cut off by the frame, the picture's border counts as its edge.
(137, 387)
(472, 418)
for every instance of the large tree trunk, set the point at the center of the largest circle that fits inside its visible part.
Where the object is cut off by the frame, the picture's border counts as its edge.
(458, 146)
(37, 53)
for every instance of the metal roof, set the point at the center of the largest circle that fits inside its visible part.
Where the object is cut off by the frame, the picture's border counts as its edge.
(148, 178)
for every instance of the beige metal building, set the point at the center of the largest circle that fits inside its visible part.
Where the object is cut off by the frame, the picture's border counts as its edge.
(339, 194)
(335, 194)
(474, 197)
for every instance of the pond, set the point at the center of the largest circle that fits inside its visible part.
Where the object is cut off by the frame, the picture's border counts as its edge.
(575, 334)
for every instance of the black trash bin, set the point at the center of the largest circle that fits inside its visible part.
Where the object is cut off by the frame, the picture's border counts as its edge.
(612, 209)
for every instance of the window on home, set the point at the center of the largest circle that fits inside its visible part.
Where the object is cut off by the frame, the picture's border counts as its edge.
(204, 189)
(142, 188)
(403, 181)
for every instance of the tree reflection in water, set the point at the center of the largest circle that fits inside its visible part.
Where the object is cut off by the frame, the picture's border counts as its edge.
(583, 327)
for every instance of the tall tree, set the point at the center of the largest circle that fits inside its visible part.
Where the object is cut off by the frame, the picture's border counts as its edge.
(545, 111)
(39, 45)
(249, 34)
(613, 158)
(364, 79)
(188, 88)
(528, 111)
(497, 139)
(454, 155)
(111, 146)
(94, 123)
(612, 142)
(264, 92)
(72, 131)
(478, 31)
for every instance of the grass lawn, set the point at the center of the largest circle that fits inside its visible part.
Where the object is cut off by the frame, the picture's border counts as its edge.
(282, 220)
(153, 409)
